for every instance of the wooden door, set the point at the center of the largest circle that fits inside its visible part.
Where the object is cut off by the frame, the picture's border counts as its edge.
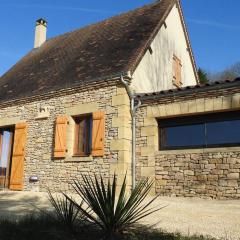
(16, 177)
(9, 157)
(6, 138)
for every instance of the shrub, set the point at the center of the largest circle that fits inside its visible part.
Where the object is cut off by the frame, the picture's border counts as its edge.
(65, 210)
(111, 214)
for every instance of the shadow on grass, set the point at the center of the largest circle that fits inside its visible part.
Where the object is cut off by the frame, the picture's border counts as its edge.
(18, 204)
(42, 227)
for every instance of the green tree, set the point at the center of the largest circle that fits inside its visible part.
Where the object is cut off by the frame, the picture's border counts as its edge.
(230, 73)
(203, 76)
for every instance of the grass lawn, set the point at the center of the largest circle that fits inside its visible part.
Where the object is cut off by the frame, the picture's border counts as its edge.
(46, 228)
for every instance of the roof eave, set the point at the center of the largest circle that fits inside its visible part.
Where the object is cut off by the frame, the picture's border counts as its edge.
(111, 80)
(190, 90)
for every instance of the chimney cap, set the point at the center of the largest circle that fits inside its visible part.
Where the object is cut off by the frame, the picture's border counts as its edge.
(41, 21)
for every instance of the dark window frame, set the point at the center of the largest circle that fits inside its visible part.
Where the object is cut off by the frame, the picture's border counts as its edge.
(188, 120)
(87, 138)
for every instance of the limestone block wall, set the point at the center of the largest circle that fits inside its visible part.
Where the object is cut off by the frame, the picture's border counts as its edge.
(57, 174)
(122, 144)
(210, 173)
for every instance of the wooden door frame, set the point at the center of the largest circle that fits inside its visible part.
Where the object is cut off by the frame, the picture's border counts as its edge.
(9, 163)
(11, 130)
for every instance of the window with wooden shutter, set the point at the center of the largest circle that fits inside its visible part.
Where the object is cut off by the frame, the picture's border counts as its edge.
(16, 178)
(98, 133)
(60, 137)
(83, 135)
(177, 71)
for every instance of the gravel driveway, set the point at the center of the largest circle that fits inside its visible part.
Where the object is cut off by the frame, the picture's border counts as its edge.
(217, 218)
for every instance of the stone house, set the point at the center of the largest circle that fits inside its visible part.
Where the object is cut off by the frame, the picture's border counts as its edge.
(189, 140)
(99, 100)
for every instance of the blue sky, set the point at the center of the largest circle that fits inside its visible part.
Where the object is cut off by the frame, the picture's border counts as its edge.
(214, 25)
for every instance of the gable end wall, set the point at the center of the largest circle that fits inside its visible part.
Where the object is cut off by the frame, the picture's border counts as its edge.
(155, 71)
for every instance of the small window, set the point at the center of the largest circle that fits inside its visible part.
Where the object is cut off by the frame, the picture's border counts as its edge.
(150, 50)
(203, 131)
(177, 71)
(83, 135)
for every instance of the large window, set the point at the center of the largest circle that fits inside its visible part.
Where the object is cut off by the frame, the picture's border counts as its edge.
(83, 135)
(203, 131)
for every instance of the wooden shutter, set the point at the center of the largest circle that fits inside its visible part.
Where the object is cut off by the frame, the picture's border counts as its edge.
(98, 133)
(177, 71)
(20, 136)
(60, 137)
(174, 69)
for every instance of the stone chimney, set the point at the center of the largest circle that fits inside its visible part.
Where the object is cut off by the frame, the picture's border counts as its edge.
(40, 32)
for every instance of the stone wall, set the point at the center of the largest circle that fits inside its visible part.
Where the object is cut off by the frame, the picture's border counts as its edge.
(205, 173)
(57, 174)
(212, 173)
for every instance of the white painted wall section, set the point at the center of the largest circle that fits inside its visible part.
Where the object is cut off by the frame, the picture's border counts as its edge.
(155, 71)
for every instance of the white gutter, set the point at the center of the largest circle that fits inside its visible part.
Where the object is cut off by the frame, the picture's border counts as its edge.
(133, 110)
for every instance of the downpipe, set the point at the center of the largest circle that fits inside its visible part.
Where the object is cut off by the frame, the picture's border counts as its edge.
(133, 109)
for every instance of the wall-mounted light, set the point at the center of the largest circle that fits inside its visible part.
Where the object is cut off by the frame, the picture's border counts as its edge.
(33, 179)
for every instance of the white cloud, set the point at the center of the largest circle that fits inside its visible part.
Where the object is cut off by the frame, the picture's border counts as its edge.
(64, 8)
(213, 24)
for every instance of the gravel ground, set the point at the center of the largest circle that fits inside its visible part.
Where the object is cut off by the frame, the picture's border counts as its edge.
(217, 218)
(189, 216)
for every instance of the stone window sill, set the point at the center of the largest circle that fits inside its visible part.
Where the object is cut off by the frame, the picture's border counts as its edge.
(199, 150)
(79, 159)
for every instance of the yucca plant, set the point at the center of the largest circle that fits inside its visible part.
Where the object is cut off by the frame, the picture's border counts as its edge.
(65, 210)
(113, 215)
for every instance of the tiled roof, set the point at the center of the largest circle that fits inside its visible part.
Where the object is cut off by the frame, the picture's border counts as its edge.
(189, 89)
(95, 52)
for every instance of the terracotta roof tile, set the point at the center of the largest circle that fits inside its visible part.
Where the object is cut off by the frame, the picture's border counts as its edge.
(186, 90)
(107, 48)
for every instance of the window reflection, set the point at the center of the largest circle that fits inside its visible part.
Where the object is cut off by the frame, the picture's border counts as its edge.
(225, 132)
(212, 130)
(181, 136)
